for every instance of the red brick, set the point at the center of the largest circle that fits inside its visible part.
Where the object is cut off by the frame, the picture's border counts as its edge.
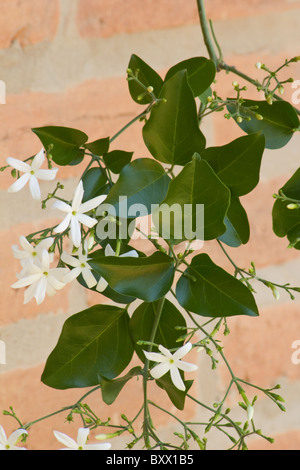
(259, 350)
(110, 17)
(100, 108)
(31, 399)
(286, 441)
(28, 22)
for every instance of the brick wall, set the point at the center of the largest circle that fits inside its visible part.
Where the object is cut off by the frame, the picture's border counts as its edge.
(64, 63)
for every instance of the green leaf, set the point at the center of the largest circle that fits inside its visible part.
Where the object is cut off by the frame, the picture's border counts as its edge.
(147, 278)
(238, 163)
(94, 343)
(110, 389)
(172, 134)
(210, 291)
(116, 160)
(143, 319)
(144, 182)
(176, 396)
(201, 73)
(98, 147)
(286, 222)
(66, 143)
(237, 225)
(94, 183)
(194, 189)
(147, 76)
(108, 292)
(278, 124)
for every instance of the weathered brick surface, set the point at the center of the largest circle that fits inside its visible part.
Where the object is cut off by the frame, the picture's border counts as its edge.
(109, 17)
(28, 22)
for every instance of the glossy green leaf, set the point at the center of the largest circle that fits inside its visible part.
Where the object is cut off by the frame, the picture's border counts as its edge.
(143, 319)
(172, 134)
(286, 222)
(195, 189)
(201, 73)
(94, 343)
(278, 124)
(66, 143)
(110, 389)
(176, 396)
(237, 225)
(148, 278)
(147, 76)
(238, 163)
(98, 147)
(116, 160)
(142, 182)
(94, 183)
(210, 291)
(108, 292)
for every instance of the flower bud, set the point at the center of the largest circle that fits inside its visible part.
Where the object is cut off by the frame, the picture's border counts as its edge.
(258, 65)
(281, 90)
(269, 99)
(235, 84)
(250, 412)
(259, 117)
(292, 206)
(150, 89)
(239, 119)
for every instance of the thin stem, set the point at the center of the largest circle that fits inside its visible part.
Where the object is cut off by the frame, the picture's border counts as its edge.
(206, 32)
(136, 118)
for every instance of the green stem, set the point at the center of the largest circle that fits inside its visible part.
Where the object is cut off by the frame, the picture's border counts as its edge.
(206, 32)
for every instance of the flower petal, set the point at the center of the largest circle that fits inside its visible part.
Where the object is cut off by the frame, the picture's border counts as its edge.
(40, 293)
(86, 220)
(38, 160)
(46, 175)
(62, 206)
(91, 204)
(165, 351)
(186, 366)
(89, 277)
(54, 282)
(65, 440)
(105, 446)
(75, 232)
(70, 260)
(19, 184)
(102, 284)
(182, 351)
(27, 281)
(176, 378)
(15, 436)
(29, 293)
(63, 225)
(44, 244)
(109, 251)
(72, 275)
(18, 165)
(3, 438)
(160, 370)
(82, 436)
(78, 195)
(155, 356)
(131, 254)
(34, 187)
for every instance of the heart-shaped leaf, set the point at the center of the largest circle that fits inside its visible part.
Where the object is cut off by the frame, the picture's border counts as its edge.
(210, 291)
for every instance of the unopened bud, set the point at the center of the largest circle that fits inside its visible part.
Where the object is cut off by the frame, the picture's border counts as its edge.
(269, 99)
(258, 65)
(292, 206)
(259, 117)
(250, 412)
(235, 84)
(281, 90)
(150, 89)
(239, 119)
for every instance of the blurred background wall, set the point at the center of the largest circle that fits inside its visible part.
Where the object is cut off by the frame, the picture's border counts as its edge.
(64, 63)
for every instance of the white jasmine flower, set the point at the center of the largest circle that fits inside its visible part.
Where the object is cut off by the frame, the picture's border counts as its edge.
(32, 173)
(81, 443)
(102, 283)
(76, 214)
(29, 253)
(10, 442)
(40, 279)
(80, 266)
(171, 362)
